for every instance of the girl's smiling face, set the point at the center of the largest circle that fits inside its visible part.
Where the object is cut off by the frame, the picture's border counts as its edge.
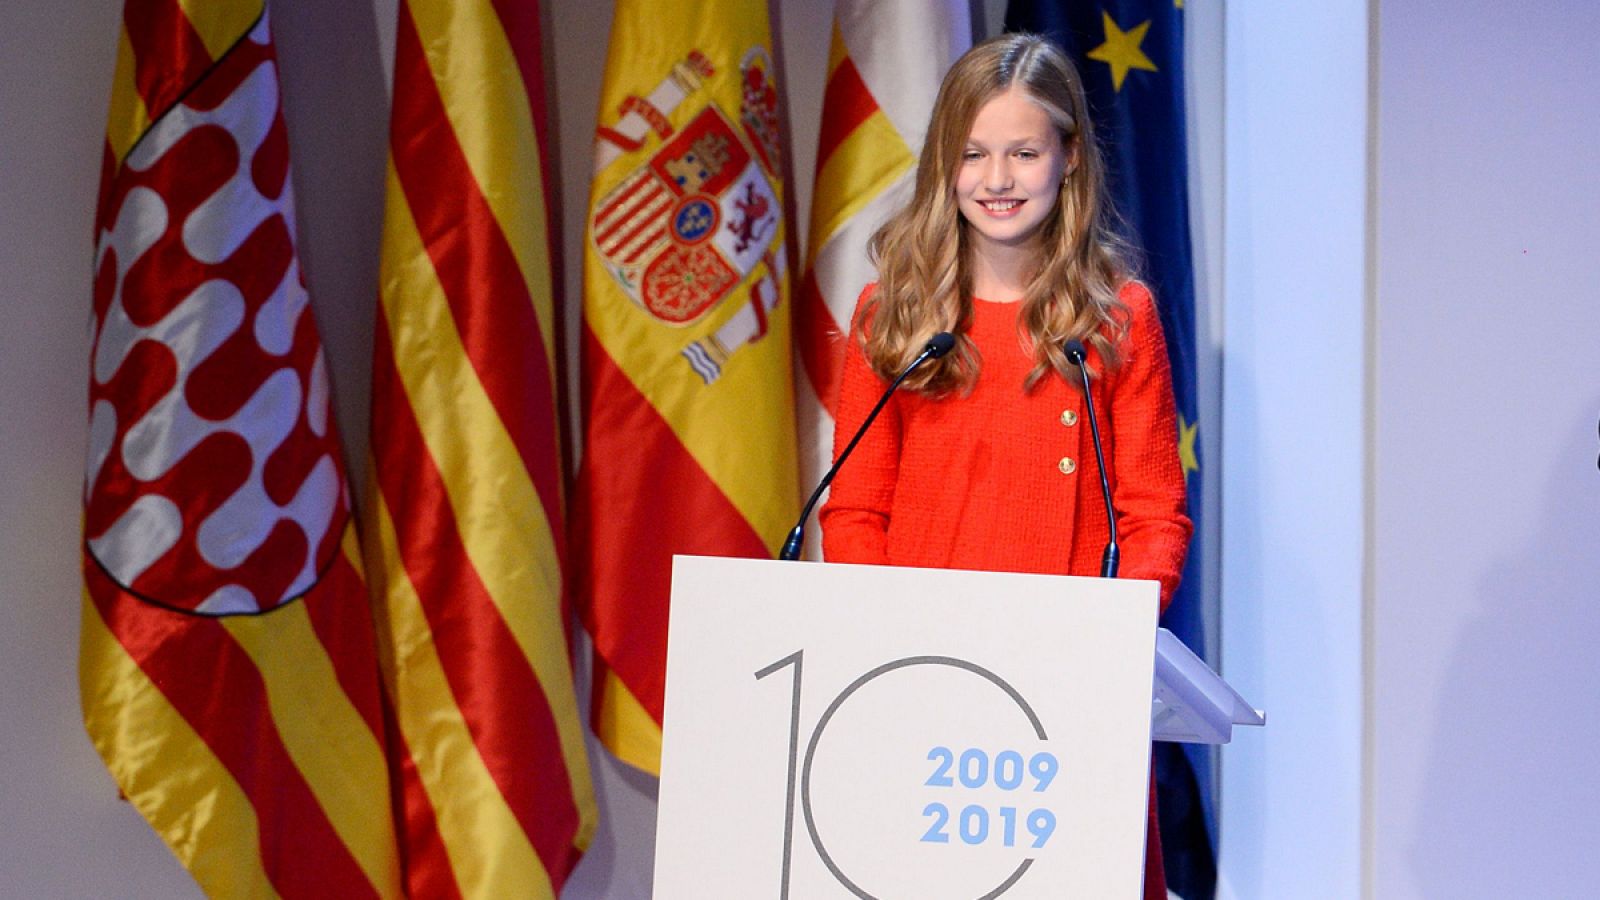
(1011, 172)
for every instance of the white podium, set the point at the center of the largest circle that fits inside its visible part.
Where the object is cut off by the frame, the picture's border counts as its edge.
(868, 731)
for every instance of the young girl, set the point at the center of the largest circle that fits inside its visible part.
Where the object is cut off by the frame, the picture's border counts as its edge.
(983, 460)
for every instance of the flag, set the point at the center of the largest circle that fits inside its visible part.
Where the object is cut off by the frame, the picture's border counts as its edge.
(227, 663)
(886, 60)
(688, 394)
(1131, 55)
(466, 502)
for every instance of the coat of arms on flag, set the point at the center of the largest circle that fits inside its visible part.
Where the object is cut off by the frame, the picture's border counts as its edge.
(682, 231)
(688, 388)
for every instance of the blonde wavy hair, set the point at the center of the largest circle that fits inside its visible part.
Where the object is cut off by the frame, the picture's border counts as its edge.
(922, 252)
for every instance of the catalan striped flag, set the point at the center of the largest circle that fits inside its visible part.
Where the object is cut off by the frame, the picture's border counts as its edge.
(227, 663)
(1131, 55)
(465, 535)
(886, 61)
(689, 412)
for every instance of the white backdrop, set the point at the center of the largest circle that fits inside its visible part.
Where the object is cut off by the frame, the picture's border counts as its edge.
(1295, 254)
(1486, 537)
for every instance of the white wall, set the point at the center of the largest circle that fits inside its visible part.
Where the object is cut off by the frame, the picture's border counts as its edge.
(1487, 518)
(63, 832)
(1294, 247)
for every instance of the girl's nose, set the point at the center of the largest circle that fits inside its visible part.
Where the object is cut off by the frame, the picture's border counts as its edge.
(997, 175)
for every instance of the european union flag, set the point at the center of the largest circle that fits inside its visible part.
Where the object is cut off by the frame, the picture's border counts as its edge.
(1131, 55)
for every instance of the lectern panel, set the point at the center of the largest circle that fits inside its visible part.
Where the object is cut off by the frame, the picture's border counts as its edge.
(868, 731)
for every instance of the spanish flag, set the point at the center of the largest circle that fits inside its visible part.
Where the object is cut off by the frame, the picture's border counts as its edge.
(688, 395)
(227, 664)
(466, 545)
(886, 60)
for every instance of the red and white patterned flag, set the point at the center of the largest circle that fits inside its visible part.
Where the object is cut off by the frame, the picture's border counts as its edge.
(228, 670)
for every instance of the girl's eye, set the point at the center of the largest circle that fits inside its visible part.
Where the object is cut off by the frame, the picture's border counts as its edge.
(971, 156)
(1027, 154)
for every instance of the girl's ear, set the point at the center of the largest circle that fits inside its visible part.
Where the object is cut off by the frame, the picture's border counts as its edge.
(1072, 161)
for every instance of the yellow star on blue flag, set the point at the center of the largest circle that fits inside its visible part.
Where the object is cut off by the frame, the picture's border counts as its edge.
(1121, 49)
(1187, 431)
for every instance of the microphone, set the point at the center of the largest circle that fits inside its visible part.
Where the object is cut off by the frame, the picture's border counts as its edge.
(1113, 555)
(937, 346)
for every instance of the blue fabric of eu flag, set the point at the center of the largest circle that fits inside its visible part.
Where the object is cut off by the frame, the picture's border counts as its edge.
(1130, 53)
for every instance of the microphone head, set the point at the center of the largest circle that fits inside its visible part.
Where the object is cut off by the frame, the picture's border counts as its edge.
(940, 344)
(1074, 350)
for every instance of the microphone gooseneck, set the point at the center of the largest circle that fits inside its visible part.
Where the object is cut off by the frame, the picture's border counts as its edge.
(937, 346)
(1113, 554)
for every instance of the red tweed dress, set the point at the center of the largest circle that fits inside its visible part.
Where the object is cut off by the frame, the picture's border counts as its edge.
(1003, 479)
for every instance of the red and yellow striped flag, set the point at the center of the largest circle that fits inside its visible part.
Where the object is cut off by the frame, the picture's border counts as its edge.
(886, 61)
(466, 536)
(689, 438)
(227, 665)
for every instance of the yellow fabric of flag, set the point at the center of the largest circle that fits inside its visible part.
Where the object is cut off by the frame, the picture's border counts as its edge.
(467, 550)
(689, 417)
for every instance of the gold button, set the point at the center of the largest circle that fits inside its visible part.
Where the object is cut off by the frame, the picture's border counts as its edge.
(1067, 466)
(1069, 418)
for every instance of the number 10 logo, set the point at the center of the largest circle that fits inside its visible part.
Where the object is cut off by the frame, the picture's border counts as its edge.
(970, 769)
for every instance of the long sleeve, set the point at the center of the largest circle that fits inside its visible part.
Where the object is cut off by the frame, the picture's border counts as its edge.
(1149, 492)
(855, 519)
